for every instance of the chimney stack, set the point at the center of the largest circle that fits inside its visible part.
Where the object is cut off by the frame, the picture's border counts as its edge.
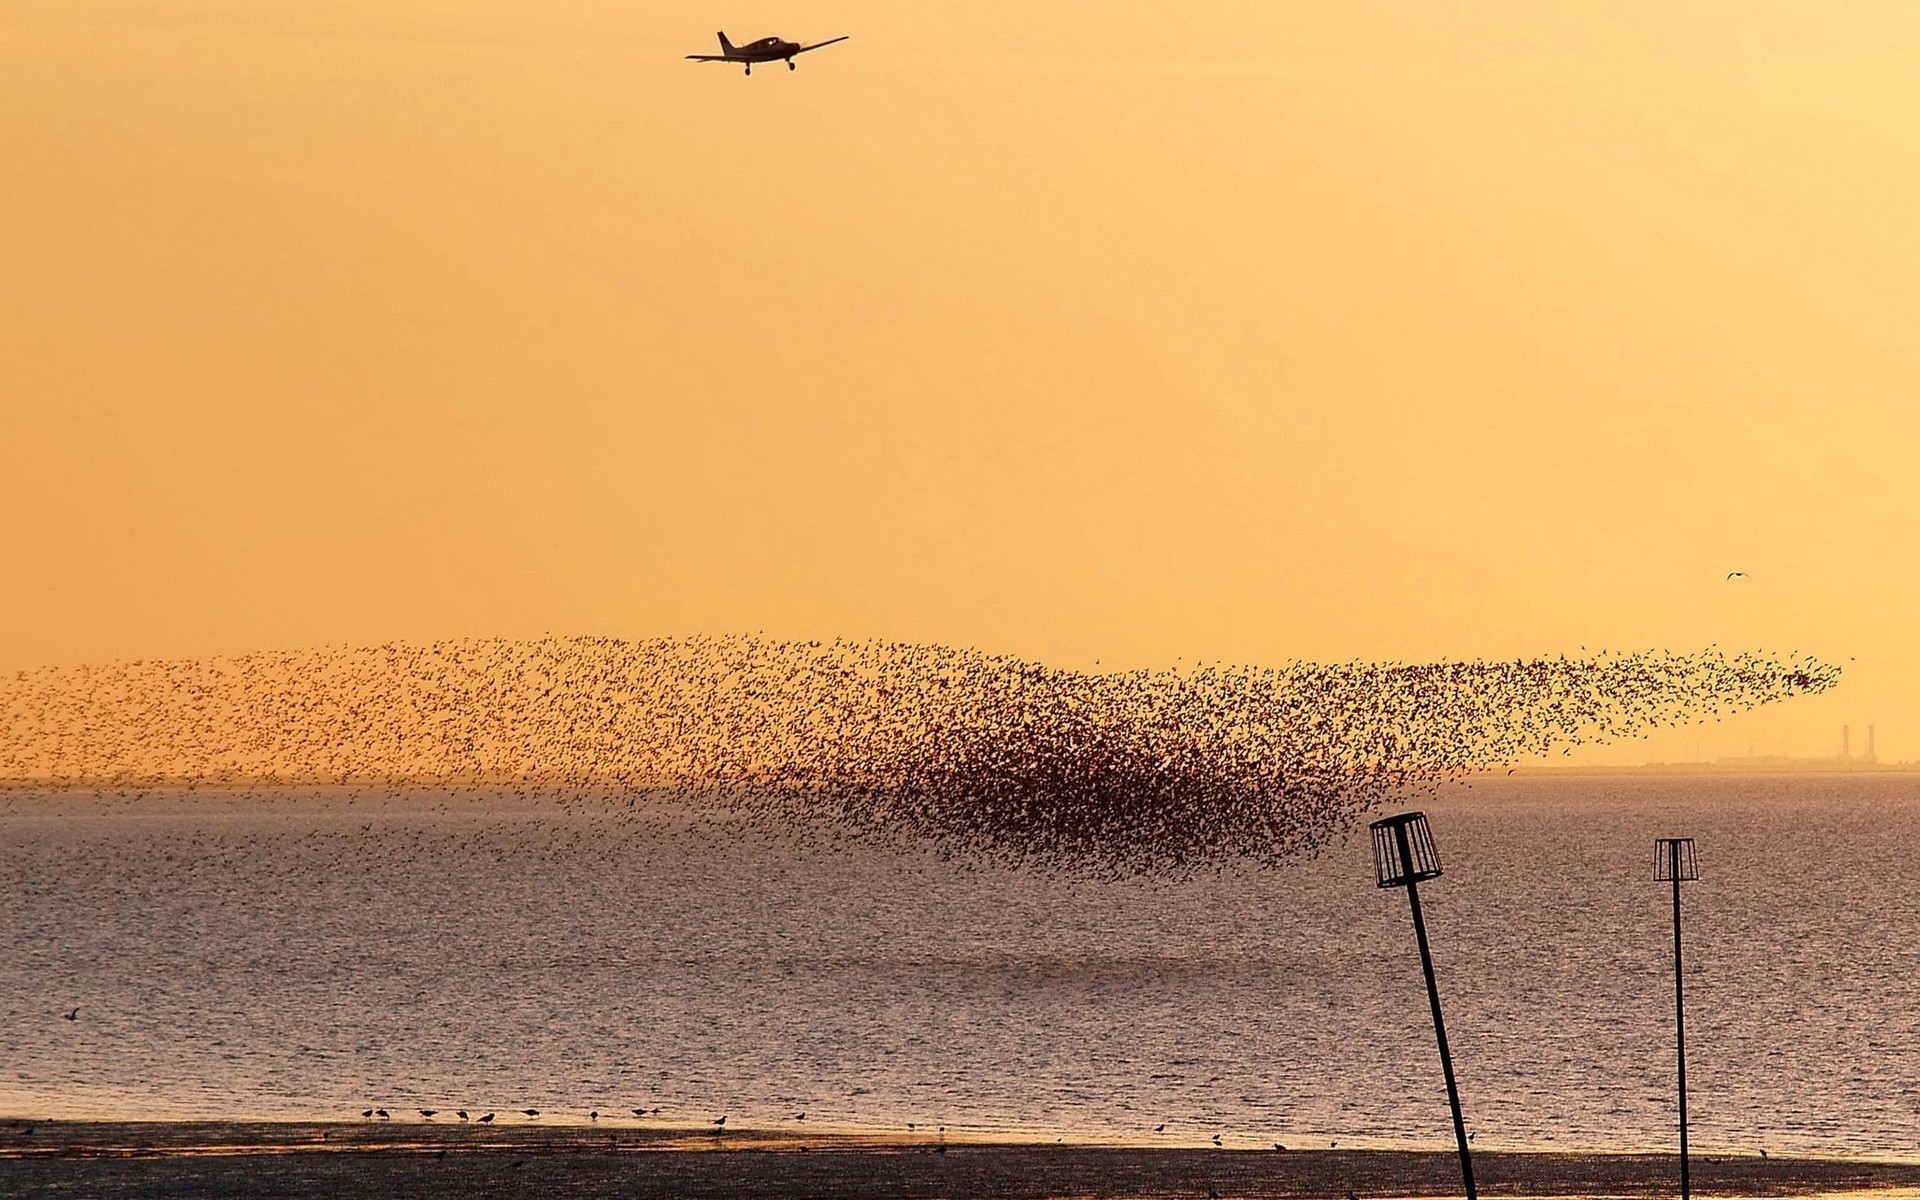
(1846, 743)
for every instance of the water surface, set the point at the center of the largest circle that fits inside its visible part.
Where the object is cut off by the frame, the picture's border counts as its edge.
(309, 956)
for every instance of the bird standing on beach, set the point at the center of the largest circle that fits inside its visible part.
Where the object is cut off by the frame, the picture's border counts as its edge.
(72, 1014)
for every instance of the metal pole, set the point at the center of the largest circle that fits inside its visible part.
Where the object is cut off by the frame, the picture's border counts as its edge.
(1439, 1026)
(1680, 1027)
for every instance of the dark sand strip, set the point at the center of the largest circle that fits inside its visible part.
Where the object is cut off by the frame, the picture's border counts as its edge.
(360, 1162)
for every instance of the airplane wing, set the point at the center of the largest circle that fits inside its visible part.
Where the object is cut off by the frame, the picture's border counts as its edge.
(817, 45)
(708, 58)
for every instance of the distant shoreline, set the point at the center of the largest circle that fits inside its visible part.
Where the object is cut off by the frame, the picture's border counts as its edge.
(432, 1159)
(1782, 767)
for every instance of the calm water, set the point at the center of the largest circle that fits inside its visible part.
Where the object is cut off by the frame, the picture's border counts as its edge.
(311, 957)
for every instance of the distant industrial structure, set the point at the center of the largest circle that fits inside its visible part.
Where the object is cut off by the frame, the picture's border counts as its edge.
(1845, 761)
(1846, 746)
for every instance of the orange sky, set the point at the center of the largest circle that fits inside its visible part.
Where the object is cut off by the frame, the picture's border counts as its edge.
(1116, 331)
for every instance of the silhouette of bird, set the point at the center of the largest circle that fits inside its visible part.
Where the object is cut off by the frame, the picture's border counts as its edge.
(721, 1120)
(1160, 1128)
(72, 1014)
(1736, 574)
(462, 1114)
(487, 1120)
(428, 1113)
(531, 1112)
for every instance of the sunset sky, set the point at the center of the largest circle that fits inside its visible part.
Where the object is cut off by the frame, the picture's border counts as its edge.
(1112, 332)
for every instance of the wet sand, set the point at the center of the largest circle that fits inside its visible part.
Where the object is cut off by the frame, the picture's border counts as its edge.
(420, 1159)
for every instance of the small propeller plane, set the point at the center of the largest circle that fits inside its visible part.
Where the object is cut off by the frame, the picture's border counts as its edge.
(766, 50)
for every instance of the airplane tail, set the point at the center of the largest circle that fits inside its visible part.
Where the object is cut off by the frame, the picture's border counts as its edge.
(726, 47)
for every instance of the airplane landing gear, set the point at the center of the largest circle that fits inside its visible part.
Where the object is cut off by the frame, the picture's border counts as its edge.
(749, 68)
(790, 64)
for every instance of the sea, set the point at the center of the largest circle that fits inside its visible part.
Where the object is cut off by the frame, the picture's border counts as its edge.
(303, 954)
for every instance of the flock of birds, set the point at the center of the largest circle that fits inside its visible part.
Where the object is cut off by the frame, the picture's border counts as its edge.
(1112, 774)
(718, 1124)
(428, 1114)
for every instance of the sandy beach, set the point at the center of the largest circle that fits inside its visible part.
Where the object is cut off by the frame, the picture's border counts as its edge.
(189, 1159)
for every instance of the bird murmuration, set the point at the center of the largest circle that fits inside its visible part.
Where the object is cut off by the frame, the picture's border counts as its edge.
(980, 754)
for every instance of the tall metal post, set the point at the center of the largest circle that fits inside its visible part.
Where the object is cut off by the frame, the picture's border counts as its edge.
(1403, 855)
(1680, 1027)
(1439, 1023)
(1673, 860)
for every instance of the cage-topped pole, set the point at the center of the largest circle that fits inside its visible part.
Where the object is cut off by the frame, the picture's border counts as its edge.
(1673, 862)
(1403, 855)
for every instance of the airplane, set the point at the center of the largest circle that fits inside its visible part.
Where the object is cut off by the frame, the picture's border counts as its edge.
(766, 50)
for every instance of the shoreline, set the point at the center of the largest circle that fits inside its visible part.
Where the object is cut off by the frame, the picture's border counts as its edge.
(350, 1159)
